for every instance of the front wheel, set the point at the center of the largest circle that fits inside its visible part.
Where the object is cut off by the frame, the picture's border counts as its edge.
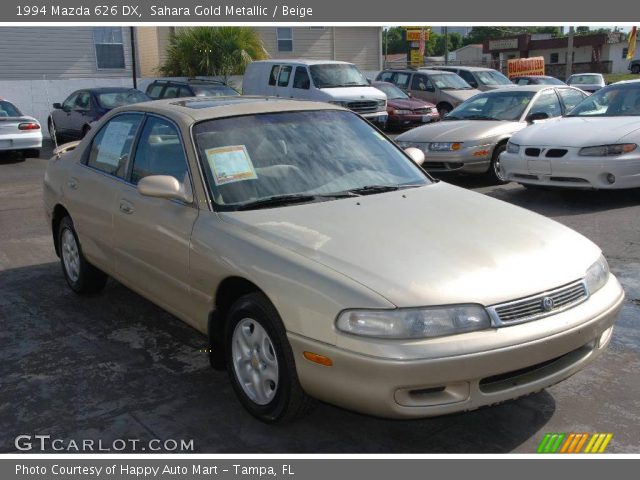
(444, 109)
(495, 173)
(635, 69)
(80, 275)
(260, 361)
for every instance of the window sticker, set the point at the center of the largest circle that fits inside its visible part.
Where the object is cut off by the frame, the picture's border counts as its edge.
(113, 142)
(230, 164)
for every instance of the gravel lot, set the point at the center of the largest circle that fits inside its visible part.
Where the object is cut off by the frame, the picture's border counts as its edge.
(115, 366)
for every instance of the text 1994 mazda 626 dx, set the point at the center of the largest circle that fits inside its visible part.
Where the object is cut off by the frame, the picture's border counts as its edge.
(323, 262)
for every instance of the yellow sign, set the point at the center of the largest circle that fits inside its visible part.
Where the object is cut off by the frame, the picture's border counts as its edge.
(413, 35)
(416, 57)
(525, 66)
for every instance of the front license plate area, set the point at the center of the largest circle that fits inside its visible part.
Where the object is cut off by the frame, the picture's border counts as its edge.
(539, 166)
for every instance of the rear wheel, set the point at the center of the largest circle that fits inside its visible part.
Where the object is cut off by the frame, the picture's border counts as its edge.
(635, 69)
(80, 275)
(261, 365)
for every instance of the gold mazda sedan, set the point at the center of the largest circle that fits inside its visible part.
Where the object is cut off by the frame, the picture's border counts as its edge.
(322, 262)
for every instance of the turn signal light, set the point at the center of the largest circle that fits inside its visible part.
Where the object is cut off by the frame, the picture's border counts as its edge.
(28, 126)
(319, 359)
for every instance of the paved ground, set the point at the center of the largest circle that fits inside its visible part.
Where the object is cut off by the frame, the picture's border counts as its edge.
(115, 366)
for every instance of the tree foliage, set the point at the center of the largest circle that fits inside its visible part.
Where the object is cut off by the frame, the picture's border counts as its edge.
(212, 51)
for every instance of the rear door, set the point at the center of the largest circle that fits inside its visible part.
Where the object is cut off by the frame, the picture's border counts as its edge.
(422, 87)
(91, 188)
(62, 117)
(152, 235)
(284, 79)
(272, 80)
(80, 114)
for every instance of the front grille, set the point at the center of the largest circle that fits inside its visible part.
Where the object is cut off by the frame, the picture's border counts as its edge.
(556, 153)
(434, 166)
(532, 152)
(422, 111)
(365, 106)
(569, 179)
(540, 305)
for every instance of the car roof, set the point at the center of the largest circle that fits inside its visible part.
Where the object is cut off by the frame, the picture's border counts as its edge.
(191, 81)
(421, 70)
(106, 89)
(301, 61)
(534, 76)
(526, 88)
(471, 69)
(194, 109)
(626, 82)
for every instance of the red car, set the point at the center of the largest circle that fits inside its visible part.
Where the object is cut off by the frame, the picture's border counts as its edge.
(404, 111)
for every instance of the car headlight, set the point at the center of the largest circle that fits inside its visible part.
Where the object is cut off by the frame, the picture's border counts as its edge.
(597, 275)
(607, 150)
(407, 323)
(382, 103)
(513, 148)
(402, 112)
(445, 146)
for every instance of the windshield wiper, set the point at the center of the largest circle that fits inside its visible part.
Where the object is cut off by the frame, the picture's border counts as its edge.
(480, 117)
(373, 189)
(277, 201)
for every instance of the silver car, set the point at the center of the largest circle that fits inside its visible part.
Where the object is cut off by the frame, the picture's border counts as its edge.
(19, 132)
(589, 82)
(471, 138)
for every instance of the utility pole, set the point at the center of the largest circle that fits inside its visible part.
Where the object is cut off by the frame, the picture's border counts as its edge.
(569, 62)
(386, 46)
(132, 39)
(446, 45)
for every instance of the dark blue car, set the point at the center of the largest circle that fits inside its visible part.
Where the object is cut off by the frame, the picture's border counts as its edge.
(72, 119)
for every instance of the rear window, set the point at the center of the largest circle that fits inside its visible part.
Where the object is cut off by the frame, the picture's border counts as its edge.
(214, 91)
(8, 109)
(119, 98)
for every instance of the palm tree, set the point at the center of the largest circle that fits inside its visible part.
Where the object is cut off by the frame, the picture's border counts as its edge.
(212, 51)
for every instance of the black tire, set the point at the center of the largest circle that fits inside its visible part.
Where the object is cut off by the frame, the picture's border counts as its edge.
(494, 168)
(444, 109)
(635, 69)
(84, 132)
(34, 153)
(82, 277)
(289, 401)
(53, 133)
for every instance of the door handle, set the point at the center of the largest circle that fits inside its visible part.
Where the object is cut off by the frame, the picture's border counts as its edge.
(126, 207)
(72, 183)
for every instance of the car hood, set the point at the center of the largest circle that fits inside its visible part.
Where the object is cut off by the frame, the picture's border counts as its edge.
(461, 95)
(578, 131)
(353, 93)
(408, 104)
(460, 131)
(437, 244)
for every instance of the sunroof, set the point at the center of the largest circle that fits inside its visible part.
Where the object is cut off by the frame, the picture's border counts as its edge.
(210, 103)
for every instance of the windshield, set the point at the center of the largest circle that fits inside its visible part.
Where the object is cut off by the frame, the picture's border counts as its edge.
(331, 75)
(214, 91)
(585, 80)
(449, 81)
(8, 109)
(488, 77)
(316, 153)
(493, 106)
(391, 91)
(121, 97)
(613, 101)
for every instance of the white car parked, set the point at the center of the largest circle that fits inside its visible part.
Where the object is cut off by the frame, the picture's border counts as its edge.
(19, 132)
(594, 146)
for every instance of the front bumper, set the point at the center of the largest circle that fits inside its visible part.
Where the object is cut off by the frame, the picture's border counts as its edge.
(464, 379)
(413, 120)
(572, 170)
(21, 141)
(476, 159)
(377, 118)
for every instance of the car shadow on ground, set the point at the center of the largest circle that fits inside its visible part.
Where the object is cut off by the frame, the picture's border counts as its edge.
(113, 365)
(7, 158)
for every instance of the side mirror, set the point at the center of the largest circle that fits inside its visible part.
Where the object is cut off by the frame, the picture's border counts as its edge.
(165, 186)
(409, 94)
(415, 154)
(57, 106)
(537, 116)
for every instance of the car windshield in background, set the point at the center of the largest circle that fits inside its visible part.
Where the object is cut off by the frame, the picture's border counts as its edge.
(392, 92)
(214, 91)
(550, 81)
(8, 109)
(449, 81)
(508, 105)
(331, 75)
(585, 79)
(298, 156)
(121, 97)
(613, 101)
(492, 78)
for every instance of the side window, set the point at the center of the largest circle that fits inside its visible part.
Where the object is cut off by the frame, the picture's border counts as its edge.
(301, 78)
(285, 74)
(155, 91)
(468, 77)
(419, 82)
(402, 80)
(159, 152)
(523, 81)
(273, 76)
(570, 98)
(111, 147)
(547, 103)
(170, 92)
(83, 101)
(70, 102)
(386, 77)
(185, 92)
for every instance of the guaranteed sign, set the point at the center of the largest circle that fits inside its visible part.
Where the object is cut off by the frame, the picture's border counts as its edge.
(525, 66)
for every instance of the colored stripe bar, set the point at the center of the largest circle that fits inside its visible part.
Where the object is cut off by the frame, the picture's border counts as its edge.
(606, 441)
(558, 442)
(543, 443)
